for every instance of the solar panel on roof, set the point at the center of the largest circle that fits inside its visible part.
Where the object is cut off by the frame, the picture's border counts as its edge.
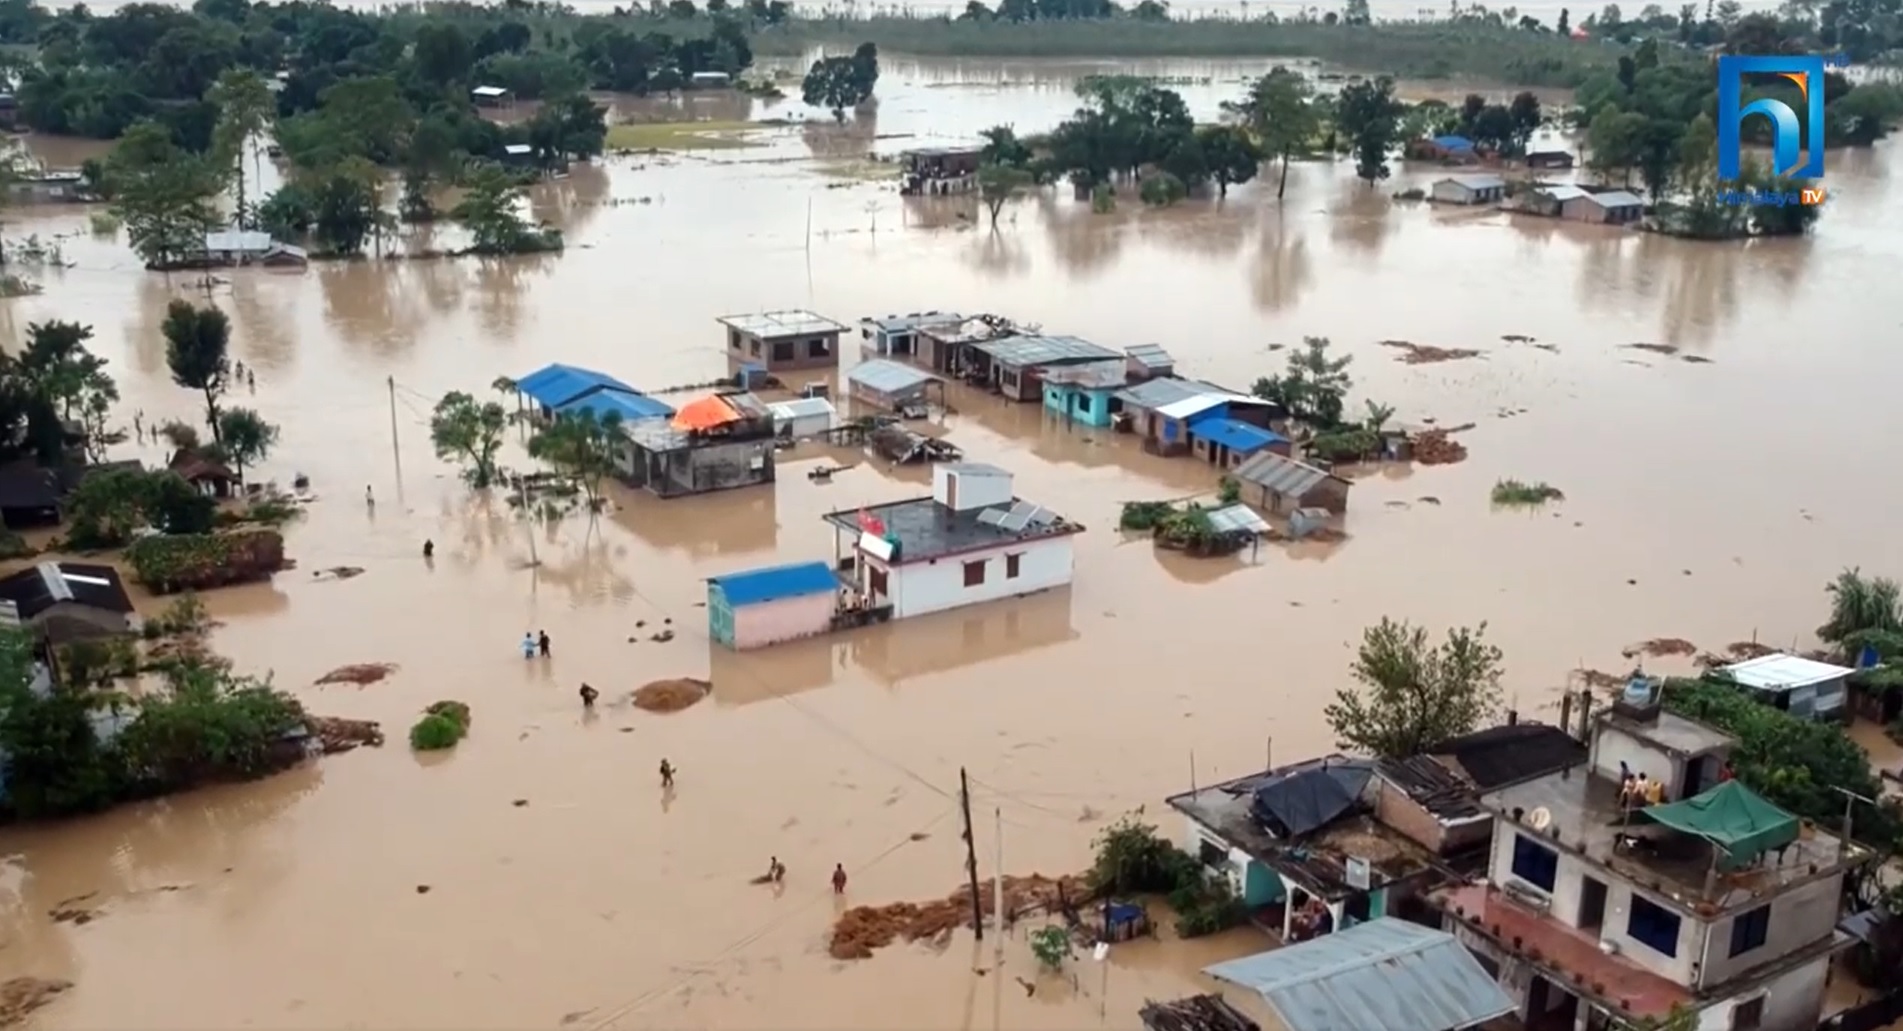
(1018, 517)
(1043, 517)
(991, 517)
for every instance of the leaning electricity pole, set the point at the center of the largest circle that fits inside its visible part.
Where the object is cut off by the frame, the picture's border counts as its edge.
(971, 855)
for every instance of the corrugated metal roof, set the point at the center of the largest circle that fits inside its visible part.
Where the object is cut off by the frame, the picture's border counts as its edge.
(1562, 193)
(1157, 393)
(242, 240)
(1284, 476)
(1235, 435)
(1029, 350)
(1235, 518)
(888, 377)
(1453, 142)
(975, 469)
(517, 149)
(913, 320)
(1090, 376)
(1782, 672)
(488, 91)
(608, 401)
(558, 384)
(796, 580)
(772, 325)
(1383, 975)
(1478, 182)
(1150, 356)
(1617, 199)
(1193, 405)
(802, 408)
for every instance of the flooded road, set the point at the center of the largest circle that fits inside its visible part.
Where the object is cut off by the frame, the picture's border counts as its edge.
(1708, 501)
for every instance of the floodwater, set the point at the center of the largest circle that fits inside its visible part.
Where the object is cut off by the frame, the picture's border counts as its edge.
(1707, 500)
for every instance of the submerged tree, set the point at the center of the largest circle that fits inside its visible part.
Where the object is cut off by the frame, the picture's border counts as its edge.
(245, 437)
(246, 109)
(583, 448)
(838, 83)
(489, 212)
(57, 369)
(163, 194)
(1229, 154)
(998, 184)
(1369, 119)
(1415, 694)
(198, 351)
(463, 428)
(1280, 111)
(1315, 386)
(1864, 611)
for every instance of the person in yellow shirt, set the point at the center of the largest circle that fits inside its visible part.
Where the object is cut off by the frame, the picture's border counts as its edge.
(1654, 792)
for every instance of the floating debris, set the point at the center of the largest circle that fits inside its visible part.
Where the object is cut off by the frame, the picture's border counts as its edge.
(1427, 354)
(336, 735)
(671, 695)
(1437, 447)
(358, 673)
(1660, 647)
(336, 573)
(1666, 349)
(861, 929)
(1516, 338)
(21, 996)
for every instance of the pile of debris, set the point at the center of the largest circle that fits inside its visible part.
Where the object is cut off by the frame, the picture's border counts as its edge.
(20, 996)
(861, 929)
(335, 734)
(1196, 1013)
(1438, 447)
(1660, 647)
(358, 673)
(1427, 354)
(671, 695)
(902, 446)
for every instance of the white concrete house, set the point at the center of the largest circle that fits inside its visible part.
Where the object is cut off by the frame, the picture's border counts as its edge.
(1469, 189)
(1715, 900)
(972, 541)
(1799, 686)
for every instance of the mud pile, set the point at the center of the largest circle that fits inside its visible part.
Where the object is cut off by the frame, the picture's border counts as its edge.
(1436, 447)
(861, 929)
(671, 695)
(341, 735)
(1660, 647)
(20, 996)
(1427, 354)
(358, 673)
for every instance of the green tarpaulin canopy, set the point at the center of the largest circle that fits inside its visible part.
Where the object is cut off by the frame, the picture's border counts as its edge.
(1731, 816)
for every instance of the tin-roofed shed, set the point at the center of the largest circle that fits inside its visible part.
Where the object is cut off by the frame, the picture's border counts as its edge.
(1383, 975)
(1469, 189)
(790, 339)
(758, 607)
(1014, 365)
(1278, 484)
(890, 385)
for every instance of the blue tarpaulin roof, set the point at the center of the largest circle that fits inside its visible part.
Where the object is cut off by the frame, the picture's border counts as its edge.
(753, 586)
(1453, 143)
(1239, 437)
(608, 401)
(1384, 975)
(556, 385)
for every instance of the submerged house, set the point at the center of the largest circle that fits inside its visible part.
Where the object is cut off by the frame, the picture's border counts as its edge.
(67, 601)
(1161, 411)
(1608, 207)
(891, 386)
(715, 443)
(972, 541)
(780, 340)
(29, 495)
(1549, 159)
(1015, 366)
(48, 186)
(1227, 443)
(1278, 484)
(1549, 199)
(946, 348)
(802, 417)
(228, 247)
(1448, 148)
(559, 389)
(938, 171)
(1597, 912)
(760, 607)
(897, 336)
(1086, 393)
(1468, 189)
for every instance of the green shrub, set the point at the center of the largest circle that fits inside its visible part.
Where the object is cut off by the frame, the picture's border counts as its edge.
(210, 726)
(12, 545)
(1514, 492)
(433, 733)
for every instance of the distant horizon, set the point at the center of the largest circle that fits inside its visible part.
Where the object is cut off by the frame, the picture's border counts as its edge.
(1545, 10)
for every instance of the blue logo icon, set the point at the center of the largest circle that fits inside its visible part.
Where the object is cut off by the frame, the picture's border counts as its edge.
(1787, 136)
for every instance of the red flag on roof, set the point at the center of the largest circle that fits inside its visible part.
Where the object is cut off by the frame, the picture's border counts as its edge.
(871, 524)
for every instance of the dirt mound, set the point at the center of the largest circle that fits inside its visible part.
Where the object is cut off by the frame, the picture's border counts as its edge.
(341, 735)
(1427, 354)
(1742, 651)
(861, 929)
(358, 673)
(671, 695)
(1436, 447)
(1660, 647)
(20, 996)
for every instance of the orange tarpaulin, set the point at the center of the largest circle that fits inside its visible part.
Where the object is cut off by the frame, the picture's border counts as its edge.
(705, 414)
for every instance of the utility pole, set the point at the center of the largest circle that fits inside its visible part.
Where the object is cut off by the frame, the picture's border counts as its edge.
(396, 450)
(528, 517)
(971, 855)
(997, 891)
(391, 382)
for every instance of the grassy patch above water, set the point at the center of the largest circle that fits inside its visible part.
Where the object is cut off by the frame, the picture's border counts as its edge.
(859, 170)
(1513, 492)
(684, 135)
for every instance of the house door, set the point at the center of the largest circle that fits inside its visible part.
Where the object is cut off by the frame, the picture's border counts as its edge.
(1694, 777)
(1592, 904)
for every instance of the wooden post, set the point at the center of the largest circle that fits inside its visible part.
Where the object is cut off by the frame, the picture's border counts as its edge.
(971, 855)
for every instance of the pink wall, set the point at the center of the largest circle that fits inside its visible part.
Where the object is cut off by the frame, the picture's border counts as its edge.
(770, 622)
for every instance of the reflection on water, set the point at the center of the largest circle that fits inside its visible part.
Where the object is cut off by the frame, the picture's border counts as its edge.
(1281, 269)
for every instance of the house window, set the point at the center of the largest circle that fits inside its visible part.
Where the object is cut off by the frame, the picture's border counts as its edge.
(975, 573)
(1748, 1015)
(1653, 926)
(1749, 930)
(875, 581)
(1008, 377)
(1534, 863)
(819, 347)
(1212, 855)
(782, 350)
(1011, 566)
(733, 339)
(753, 346)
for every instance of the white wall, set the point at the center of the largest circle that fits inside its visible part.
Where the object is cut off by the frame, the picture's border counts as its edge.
(1793, 1001)
(934, 585)
(1610, 745)
(964, 491)
(783, 619)
(1798, 918)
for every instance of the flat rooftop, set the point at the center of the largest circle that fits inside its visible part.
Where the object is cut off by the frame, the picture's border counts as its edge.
(926, 529)
(1587, 817)
(1317, 861)
(1672, 732)
(773, 325)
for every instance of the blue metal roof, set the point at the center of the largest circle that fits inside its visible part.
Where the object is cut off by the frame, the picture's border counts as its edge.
(797, 580)
(1383, 975)
(555, 385)
(1453, 143)
(1237, 436)
(606, 401)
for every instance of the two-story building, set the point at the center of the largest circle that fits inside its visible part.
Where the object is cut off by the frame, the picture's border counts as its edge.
(1599, 909)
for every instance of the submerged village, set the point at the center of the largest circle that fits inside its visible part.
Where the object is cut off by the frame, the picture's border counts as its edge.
(496, 537)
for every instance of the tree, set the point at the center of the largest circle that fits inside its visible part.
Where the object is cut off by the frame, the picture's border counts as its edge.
(1230, 154)
(1002, 147)
(1658, 154)
(462, 427)
(246, 109)
(1314, 387)
(998, 184)
(582, 448)
(1415, 694)
(56, 367)
(162, 194)
(346, 205)
(837, 83)
(489, 212)
(1614, 140)
(107, 508)
(245, 437)
(1862, 610)
(1565, 27)
(1280, 111)
(1526, 117)
(865, 68)
(1369, 118)
(198, 351)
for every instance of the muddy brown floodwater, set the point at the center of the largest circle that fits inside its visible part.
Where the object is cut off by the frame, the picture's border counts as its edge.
(1704, 501)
